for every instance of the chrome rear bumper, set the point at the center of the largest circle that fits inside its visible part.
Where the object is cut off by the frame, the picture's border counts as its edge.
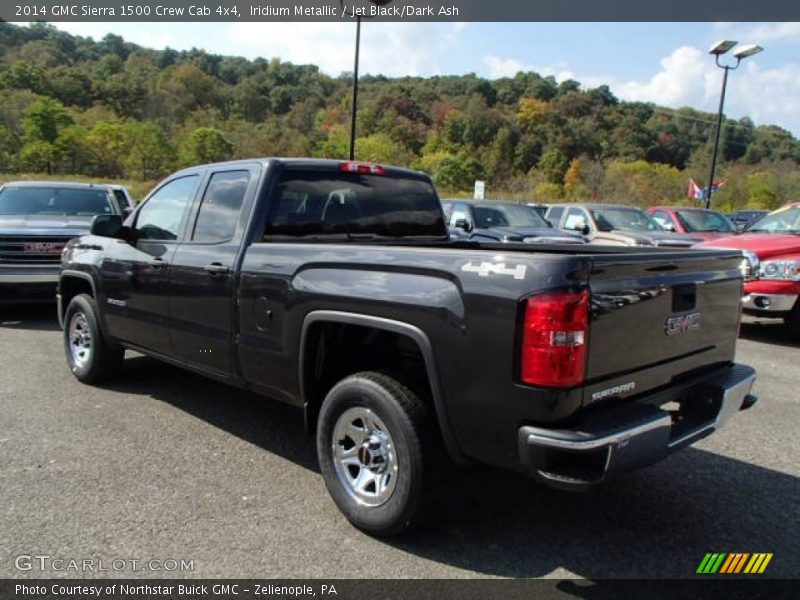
(633, 436)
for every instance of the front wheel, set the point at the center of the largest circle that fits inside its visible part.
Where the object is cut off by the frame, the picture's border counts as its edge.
(371, 444)
(90, 358)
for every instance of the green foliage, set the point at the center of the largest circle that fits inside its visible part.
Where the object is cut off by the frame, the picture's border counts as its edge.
(205, 145)
(110, 108)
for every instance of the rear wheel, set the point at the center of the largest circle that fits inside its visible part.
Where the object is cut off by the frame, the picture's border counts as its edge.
(90, 358)
(372, 445)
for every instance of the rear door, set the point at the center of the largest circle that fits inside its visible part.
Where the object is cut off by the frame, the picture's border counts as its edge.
(661, 315)
(202, 282)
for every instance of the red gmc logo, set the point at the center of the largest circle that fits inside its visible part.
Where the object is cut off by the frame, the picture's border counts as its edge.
(682, 324)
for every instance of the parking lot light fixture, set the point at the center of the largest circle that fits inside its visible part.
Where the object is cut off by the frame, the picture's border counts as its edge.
(720, 48)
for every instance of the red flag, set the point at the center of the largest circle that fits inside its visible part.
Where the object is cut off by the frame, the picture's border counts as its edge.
(695, 191)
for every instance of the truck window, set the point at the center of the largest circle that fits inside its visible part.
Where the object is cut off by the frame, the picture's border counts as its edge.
(312, 204)
(160, 218)
(220, 206)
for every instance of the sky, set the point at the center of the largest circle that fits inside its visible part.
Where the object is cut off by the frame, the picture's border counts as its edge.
(665, 63)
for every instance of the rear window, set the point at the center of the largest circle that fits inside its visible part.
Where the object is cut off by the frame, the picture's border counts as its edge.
(316, 204)
(47, 200)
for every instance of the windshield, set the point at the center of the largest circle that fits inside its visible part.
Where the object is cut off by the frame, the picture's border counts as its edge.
(704, 220)
(507, 215)
(783, 220)
(46, 200)
(609, 219)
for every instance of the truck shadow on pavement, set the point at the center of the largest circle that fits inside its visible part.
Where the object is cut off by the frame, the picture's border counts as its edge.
(34, 317)
(767, 331)
(656, 523)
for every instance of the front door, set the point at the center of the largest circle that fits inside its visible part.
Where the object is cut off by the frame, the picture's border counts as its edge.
(135, 272)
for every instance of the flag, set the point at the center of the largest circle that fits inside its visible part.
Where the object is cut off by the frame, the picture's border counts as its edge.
(695, 191)
(718, 184)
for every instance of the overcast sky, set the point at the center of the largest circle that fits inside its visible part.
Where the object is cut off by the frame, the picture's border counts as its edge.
(666, 63)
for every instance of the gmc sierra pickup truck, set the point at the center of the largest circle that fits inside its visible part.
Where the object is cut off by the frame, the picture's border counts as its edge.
(334, 286)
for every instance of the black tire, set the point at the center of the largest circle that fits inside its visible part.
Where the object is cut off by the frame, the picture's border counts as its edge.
(99, 361)
(793, 323)
(409, 431)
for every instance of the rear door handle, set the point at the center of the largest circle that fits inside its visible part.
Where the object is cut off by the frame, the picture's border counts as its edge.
(217, 270)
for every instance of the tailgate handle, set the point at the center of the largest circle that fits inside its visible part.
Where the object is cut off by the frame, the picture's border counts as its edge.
(684, 297)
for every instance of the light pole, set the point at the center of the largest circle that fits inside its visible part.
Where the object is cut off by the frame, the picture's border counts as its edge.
(718, 49)
(357, 14)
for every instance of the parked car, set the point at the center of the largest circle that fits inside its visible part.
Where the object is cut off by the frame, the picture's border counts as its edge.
(772, 247)
(539, 208)
(700, 223)
(503, 222)
(615, 224)
(335, 287)
(742, 218)
(36, 220)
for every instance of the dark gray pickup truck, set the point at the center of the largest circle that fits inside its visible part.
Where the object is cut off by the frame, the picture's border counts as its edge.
(36, 221)
(334, 287)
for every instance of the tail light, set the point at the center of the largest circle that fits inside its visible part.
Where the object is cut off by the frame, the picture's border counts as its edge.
(554, 339)
(362, 168)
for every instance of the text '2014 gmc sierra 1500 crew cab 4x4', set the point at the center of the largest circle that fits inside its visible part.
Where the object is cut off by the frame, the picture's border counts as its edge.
(333, 286)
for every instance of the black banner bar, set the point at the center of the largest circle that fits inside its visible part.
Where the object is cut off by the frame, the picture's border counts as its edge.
(380, 589)
(398, 10)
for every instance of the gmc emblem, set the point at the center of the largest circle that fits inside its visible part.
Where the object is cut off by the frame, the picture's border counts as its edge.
(42, 247)
(682, 324)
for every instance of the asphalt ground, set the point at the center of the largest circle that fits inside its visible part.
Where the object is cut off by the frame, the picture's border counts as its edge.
(165, 465)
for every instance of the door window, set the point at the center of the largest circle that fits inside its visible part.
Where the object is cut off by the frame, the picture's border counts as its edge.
(161, 217)
(576, 219)
(220, 207)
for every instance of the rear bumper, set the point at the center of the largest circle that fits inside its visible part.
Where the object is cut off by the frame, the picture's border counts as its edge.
(629, 437)
(21, 285)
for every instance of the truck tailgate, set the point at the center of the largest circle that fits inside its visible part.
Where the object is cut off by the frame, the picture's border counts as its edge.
(659, 316)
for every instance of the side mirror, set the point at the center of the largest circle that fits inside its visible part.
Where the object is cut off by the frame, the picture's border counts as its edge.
(669, 227)
(585, 230)
(126, 212)
(463, 224)
(107, 226)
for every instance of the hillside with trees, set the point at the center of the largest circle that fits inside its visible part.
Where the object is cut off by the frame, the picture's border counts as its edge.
(113, 109)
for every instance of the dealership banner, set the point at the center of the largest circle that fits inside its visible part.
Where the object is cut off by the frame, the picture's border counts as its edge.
(390, 589)
(398, 10)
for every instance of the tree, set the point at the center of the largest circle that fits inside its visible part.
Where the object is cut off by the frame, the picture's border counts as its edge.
(44, 119)
(205, 145)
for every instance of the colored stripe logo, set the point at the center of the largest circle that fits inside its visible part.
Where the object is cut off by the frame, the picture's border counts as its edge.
(733, 563)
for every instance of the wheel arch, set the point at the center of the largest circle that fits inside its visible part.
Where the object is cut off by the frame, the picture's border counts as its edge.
(400, 328)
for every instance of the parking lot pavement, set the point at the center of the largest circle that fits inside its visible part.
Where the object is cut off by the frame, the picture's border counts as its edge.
(163, 464)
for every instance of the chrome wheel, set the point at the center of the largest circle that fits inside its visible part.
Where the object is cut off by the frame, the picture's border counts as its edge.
(80, 340)
(364, 456)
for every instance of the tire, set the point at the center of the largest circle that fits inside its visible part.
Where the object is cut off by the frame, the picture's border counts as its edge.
(90, 358)
(793, 323)
(375, 472)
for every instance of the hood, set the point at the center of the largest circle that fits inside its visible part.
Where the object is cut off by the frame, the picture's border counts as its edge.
(65, 225)
(764, 245)
(708, 235)
(534, 234)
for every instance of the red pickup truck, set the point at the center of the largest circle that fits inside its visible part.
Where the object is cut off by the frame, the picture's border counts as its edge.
(772, 246)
